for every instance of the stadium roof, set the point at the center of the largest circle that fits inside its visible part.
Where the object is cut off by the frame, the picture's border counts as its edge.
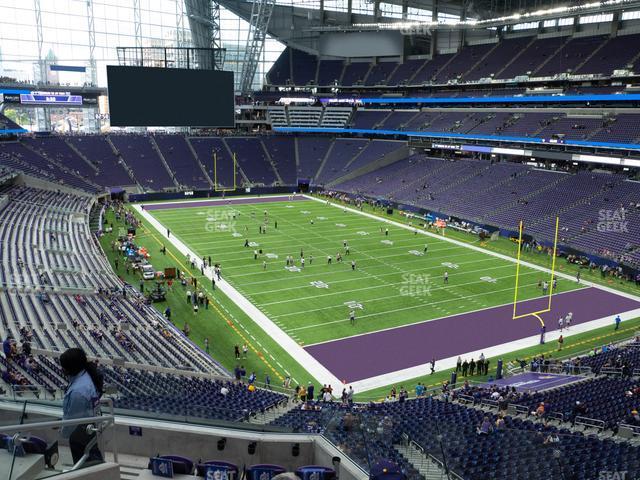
(299, 23)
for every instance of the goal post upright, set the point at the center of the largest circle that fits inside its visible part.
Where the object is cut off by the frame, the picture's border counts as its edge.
(553, 260)
(515, 292)
(537, 313)
(216, 186)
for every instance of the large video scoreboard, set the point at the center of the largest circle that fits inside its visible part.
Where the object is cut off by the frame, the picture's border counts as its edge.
(170, 97)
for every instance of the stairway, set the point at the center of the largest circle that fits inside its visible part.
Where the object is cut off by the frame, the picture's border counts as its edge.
(202, 167)
(559, 51)
(273, 413)
(324, 160)
(515, 57)
(297, 152)
(237, 163)
(58, 164)
(591, 55)
(475, 65)
(163, 160)
(271, 164)
(429, 469)
(128, 169)
(81, 155)
(528, 196)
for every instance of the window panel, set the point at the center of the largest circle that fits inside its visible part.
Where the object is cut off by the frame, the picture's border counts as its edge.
(65, 32)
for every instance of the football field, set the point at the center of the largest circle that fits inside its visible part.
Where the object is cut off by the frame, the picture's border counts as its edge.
(393, 279)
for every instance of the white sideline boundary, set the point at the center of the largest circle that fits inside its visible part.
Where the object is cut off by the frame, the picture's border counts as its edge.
(497, 350)
(492, 352)
(176, 202)
(474, 247)
(310, 364)
(320, 372)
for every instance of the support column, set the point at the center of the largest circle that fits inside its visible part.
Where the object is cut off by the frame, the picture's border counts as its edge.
(376, 10)
(137, 32)
(259, 23)
(93, 71)
(41, 72)
(615, 24)
(180, 31)
(463, 17)
(434, 35)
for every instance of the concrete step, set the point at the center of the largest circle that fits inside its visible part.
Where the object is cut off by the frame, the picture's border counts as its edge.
(273, 414)
(423, 464)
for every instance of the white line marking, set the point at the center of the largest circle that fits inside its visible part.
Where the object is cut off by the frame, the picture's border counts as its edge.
(315, 368)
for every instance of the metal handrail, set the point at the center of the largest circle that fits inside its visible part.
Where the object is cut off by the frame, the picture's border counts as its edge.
(590, 422)
(611, 371)
(93, 425)
(635, 429)
(105, 419)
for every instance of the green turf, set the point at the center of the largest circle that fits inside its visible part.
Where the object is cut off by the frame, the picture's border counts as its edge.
(223, 323)
(394, 281)
(226, 325)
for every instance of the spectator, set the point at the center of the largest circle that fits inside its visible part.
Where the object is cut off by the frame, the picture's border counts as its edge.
(80, 401)
(539, 412)
(485, 427)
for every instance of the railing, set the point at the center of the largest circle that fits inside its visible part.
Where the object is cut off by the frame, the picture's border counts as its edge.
(568, 369)
(487, 402)
(466, 399)
(590, 422)
(556, 416)
(41, 393)
(430, 463)
(628, 431)
(518, 409)
(611, 371)
(95, 428)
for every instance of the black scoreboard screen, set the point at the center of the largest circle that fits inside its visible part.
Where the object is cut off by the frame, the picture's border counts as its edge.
(170, 97)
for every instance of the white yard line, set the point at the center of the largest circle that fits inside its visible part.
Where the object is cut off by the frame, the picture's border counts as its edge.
(344, 292)
(319, 371)
(403, 309)
(492, 352)
(477, 249)
(310, 364)
(386, 329)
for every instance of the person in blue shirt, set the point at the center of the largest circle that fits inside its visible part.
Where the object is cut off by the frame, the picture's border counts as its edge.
(80, 401)
(618, 320)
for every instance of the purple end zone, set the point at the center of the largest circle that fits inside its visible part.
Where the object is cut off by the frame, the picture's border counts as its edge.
(534, 382)
(220, 202)
(377, 353)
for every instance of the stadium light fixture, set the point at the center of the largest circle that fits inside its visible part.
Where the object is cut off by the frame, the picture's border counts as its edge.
(536, 15)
